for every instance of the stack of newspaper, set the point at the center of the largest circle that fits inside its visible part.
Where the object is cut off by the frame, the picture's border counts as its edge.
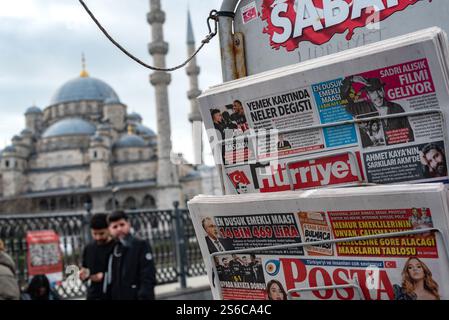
(379, 242)
(373, 114)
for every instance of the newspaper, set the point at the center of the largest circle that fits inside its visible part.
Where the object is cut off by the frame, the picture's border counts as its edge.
(369, 263)
(371, 115)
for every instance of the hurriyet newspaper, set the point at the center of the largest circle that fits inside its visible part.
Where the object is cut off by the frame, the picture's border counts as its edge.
(375, 114)
(373, 243)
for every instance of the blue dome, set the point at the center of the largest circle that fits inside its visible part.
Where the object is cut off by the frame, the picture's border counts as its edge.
(33, 110)
(112, 100)
(9, 149)
(134, 116)
(84, 88)
(144, 130)
(130, 141)
(69, 127)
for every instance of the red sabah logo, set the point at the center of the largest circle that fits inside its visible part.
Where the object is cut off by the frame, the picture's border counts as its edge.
(293, 21)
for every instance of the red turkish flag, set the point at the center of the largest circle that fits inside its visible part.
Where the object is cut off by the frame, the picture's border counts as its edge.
(238, 177)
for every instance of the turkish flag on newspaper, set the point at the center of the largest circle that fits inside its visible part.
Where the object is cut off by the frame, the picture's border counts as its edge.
(249, 14)
(238, 177)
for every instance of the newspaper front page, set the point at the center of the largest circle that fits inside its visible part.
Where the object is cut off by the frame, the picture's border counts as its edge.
(377, 266)
(373, 115)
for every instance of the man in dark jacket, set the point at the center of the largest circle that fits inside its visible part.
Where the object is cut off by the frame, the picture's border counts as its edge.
(131, 272)
(95, 257)
(214, 242)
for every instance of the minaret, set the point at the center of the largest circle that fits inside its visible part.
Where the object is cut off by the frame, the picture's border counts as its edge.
(84, 73)
(167, 177)
(193, 71)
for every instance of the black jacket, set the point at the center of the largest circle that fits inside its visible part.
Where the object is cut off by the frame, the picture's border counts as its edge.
(95, 258)
(133, 274)
(226, 243)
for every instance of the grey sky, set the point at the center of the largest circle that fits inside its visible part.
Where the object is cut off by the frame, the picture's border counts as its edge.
(41, 42)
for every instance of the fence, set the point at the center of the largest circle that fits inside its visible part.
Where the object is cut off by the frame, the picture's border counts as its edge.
(169, 232)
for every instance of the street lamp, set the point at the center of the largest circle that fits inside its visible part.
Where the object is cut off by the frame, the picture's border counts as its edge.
(114, 191)
(88, 208)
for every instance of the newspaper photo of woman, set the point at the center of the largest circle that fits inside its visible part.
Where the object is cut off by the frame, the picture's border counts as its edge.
(275, 291)
(417, 282)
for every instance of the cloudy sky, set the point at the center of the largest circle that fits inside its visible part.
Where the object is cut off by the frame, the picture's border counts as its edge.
(41, 42)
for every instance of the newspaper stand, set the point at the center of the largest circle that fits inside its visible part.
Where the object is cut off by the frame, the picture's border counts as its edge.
(229, 62)
(355, 283)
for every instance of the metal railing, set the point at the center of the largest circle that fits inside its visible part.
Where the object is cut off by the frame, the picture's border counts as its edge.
(169, 232)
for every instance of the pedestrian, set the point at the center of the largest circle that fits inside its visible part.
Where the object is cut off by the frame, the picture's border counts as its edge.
(95, 257)
(39, 289)
(131, 274)
(9, 287)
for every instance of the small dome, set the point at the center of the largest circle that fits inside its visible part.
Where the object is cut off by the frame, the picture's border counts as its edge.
(84, 88)
(33, 110)
(134, 116)
(112, 100)
(130, 141)
(104, 126)
(9, 149)
(16, 138)
(97, 138)
(144, 130)
(70, 127)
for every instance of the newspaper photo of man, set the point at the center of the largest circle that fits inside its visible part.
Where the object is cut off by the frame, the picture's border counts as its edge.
(238, 115)
(214, 242)
(433, 161)
(398, 129)
(282, 143)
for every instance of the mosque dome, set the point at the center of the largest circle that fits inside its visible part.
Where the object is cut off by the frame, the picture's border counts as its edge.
(84, 88)
(70, 127)
(33, 110)
(134, 116)
(144, 130)
(130, 141)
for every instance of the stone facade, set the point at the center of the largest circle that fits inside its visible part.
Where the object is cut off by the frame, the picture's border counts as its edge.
(85, 147)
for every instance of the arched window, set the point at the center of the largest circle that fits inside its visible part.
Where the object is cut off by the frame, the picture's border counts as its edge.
(130, 203)
(110, 207)
(148, 202)
(53, 204)
(43, 205)
(63, 204)
(59, 182)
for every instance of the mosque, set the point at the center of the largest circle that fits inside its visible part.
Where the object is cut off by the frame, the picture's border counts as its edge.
(86, 149)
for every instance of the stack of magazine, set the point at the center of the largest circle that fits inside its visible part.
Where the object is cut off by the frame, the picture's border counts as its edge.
(349, 139)
(373, 115)
(373, 243)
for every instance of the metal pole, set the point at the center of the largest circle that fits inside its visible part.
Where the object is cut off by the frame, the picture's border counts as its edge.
(181, 257)
(86, 221)
(225, 23)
